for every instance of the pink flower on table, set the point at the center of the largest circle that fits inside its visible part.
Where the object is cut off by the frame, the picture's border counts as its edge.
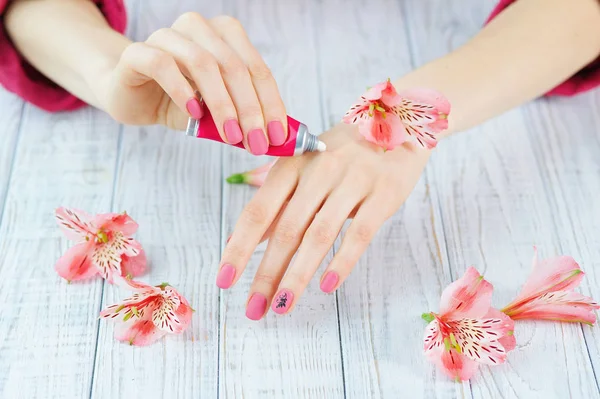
(149, 314)
(255, 177)
(467, 331)
(548, 293)
(388, 118)
(104, 246)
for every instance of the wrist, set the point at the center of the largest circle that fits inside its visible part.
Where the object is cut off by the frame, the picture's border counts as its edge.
(98, 74)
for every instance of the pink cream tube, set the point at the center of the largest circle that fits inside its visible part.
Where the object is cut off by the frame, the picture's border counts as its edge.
(298, 142)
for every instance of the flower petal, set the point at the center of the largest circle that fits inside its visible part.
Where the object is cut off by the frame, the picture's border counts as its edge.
(508, 341)
(561, 306)
(184, 314)
(555, 274)
(478, 339)
(422, 135)
(76, 263)
(133, 265)
(107, 256)
(358, 113)
(138, 332)
(433, 340)
(75, 224)
(384, 92)
(137, 286)
(456, 366)
(121, 222)
(428, 97)
(164, 316)
(386, 132)
(468, 297)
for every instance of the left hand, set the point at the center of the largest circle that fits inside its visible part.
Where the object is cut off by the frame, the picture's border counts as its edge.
(304, 202)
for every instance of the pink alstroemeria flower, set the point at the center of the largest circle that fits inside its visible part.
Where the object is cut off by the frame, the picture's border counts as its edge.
(104, 246)
(467, 331)
(255, 177)
(548, 293)
(388, 118)
(149, 314)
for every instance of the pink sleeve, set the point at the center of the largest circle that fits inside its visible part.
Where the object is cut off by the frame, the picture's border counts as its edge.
(586, 79)
(19, 77)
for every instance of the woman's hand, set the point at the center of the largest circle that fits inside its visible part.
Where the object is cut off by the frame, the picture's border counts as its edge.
(302, 207)
(155, 82)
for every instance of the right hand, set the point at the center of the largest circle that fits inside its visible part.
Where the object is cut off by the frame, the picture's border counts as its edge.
(154, 82)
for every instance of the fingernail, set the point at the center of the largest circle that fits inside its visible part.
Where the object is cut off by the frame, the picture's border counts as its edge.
(276, 133)
(257, 142)
(282, 302)
(228, 239)
(194, 108)
(225, 277)
(329, 282)
(256, 306)
(233, 132)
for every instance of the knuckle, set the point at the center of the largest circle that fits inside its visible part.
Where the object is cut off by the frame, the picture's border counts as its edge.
(323, 233)
(264, 278)
(160, 62)
(204, 63)
(223, 108)
(227, 22)
(234, 251)
(286, 232)
(200, 59)
(260, 71)
(188, 18)
(298, 278)
(250, 112)
(161, 33)
(363, 233)
(233, 67)
(329, 162)
(254, 213)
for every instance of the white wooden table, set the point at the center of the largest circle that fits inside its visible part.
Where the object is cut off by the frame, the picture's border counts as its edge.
(529, 177)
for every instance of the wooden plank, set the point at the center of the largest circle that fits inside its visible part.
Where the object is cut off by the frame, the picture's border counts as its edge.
(11, 110)
(298, 355)
(48, 327)
(405, 269)
(491, 197)
(566, 137)
(171, 185)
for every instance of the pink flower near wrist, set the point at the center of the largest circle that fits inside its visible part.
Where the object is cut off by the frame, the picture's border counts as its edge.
(389, 119)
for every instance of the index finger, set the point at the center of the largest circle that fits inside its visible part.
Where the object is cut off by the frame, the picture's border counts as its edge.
(254, 221)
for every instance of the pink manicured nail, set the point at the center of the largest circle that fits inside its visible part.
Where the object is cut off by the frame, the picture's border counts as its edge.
(194, 108)
(225, 277)
(256, 306)
(233, 132)
(282, 302)
(276, 133)
(257, 142)
(329, 282)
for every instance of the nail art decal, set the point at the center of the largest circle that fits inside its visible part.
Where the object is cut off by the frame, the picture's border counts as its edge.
(282, 302)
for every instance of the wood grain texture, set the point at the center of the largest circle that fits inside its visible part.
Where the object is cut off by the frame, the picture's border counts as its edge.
(488, 188)
(48, 327)
(298, 355)
(566, 133)
(405, 269)
(11, 110)
(171, 185)
(529, 177)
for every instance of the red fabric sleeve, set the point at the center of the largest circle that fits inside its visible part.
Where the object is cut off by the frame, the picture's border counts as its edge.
(19, 77)
(586, 79)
